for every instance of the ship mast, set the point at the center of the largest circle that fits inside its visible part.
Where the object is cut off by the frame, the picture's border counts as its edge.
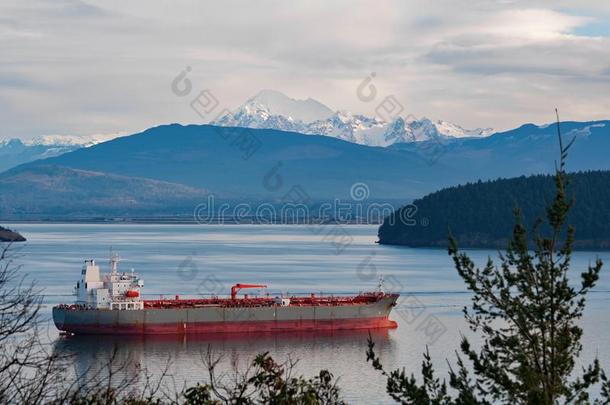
(380, 287)
(114, 262)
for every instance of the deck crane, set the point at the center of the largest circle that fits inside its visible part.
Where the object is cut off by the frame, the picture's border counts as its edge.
(239, 286)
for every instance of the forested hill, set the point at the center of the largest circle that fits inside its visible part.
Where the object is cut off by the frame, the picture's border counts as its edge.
(481, 214)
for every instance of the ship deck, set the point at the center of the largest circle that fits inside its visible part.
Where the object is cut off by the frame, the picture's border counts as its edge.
(251, 302)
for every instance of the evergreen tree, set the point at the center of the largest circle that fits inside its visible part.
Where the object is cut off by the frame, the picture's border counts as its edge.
(527, 313)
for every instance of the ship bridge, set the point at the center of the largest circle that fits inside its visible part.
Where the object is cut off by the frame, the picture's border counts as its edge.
(116, 290)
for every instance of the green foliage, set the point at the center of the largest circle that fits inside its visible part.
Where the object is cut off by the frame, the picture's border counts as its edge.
(274, 386)
(480, 213)
(405, 389)
(199, 395)
(526, 312)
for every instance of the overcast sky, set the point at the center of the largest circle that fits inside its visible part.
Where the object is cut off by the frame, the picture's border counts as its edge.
(85, 67)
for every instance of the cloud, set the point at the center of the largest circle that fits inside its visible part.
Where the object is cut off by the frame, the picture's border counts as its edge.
(524, 41)
(566, 57)
(80, 67)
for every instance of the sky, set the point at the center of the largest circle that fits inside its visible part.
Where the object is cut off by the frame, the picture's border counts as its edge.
(75, 67)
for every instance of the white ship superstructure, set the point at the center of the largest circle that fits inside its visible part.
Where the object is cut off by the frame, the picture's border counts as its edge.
(118, 291)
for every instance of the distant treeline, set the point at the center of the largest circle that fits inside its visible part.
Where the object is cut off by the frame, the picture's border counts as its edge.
(480, 214)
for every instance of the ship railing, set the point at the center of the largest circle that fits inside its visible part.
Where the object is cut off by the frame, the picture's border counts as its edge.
(76, 307)
(266, 301)
(123, 299)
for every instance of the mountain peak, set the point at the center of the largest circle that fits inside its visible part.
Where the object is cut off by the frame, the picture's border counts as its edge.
(277, 103)
(11, 143)
(272, 109)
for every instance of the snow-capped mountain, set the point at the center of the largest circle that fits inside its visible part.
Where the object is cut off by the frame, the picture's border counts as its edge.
(15, 151)
(83, 141)
(276, 103)
(268, 109)
(274, 110)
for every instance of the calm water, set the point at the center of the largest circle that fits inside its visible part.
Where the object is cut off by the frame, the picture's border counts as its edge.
(191, 260)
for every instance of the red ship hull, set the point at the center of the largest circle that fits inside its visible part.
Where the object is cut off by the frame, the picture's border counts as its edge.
(232, 327)
(231, 316)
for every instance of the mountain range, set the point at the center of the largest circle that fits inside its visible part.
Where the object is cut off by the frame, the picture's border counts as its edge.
(195, 161)
(268, 146)
(271, 109)
(268, 109)
(212, 158)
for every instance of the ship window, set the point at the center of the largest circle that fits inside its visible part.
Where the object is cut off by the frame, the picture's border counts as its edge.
(83, 271)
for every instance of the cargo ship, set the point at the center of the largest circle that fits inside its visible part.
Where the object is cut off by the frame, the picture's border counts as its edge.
(112, 304)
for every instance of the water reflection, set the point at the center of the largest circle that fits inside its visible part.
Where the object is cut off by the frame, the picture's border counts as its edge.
(134, 355)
